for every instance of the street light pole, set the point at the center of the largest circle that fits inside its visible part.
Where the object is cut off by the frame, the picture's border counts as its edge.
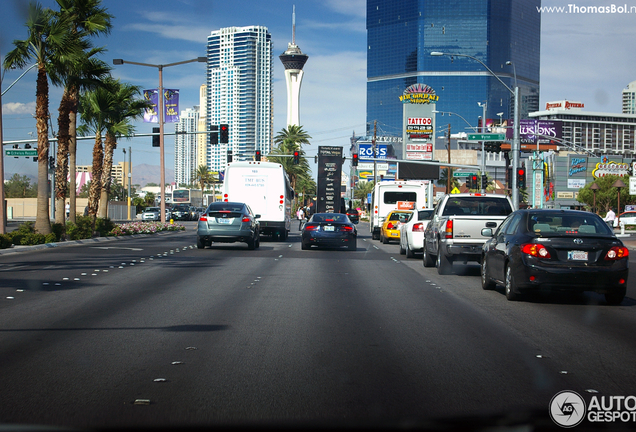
(515, 146)
(162, 167)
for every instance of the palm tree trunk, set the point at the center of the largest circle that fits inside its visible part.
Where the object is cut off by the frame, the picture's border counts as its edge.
(72, 151)
(42, 219)
(94, 192)
(62, 158)
(110, 146)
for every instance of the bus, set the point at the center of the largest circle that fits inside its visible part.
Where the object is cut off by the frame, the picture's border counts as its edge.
(192, 197)
(265, 187)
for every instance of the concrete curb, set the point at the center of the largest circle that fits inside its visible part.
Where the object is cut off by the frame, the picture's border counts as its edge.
(19, 249)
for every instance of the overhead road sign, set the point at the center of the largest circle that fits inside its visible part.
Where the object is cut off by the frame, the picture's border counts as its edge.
(486, 137)
(33, 152)
(462, 174)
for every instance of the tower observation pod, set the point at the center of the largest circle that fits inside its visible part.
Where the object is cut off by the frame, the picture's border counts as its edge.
(293, 60)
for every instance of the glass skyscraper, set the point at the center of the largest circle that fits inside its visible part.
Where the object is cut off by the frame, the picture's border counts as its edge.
(402, 34)
(185, 146)
(239, 92)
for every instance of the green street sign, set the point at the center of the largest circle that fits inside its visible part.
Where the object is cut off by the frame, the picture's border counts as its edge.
(462, 174)
(32, 152)
(486, 137)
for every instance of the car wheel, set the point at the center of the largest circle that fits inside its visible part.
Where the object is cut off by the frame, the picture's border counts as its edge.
(615, 298)
(200, 243)
(251, 243)
(257, 242)
(444, 266)
(486, 282)
(427, 258)
(409, 251)
(402, 250)
(352, 246)
(304, 246)
(385, 240)
(510, 285)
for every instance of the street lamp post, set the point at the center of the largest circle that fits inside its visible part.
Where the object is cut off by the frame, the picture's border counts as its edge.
(594, 188)
(160, 109)
(515, 147)
(618, 184)
(449, 134)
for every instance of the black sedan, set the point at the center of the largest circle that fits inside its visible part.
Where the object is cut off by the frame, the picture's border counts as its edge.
(228, 222)
(329, 230)
(353, 215)
(560, 250)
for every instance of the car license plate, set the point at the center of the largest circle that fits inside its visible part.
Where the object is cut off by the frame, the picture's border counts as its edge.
(225, 221)
(577, 255)
(328, 228)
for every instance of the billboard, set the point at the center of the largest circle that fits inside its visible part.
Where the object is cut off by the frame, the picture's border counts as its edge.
(329, 179)
(418, 102)
(536, 131)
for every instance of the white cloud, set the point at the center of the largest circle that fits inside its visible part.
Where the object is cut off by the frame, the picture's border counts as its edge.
(349, 7)
(18, 108)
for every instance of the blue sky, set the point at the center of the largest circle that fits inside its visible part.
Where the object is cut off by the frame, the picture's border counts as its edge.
(585, 57)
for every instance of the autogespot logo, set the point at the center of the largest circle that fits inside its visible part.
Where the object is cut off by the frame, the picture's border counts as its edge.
(567, 409)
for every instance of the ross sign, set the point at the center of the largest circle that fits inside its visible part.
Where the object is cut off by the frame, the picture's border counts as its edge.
(462, 174)
(486, 137)
(32, 152)
(365, 151)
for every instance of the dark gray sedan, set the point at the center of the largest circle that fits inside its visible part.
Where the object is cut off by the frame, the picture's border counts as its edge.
(228, 222)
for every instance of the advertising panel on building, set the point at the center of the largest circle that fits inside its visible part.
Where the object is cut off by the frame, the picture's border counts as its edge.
(418, 102)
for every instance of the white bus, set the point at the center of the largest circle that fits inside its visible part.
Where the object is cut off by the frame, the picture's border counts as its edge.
(265, 187)
(389, 195)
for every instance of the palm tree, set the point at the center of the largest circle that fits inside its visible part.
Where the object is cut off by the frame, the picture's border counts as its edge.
(48, 41)
(95, 108)
(88, 18)
(203, 177)
(81, 74)
(293, 134)
(363, 189)
(126, 108)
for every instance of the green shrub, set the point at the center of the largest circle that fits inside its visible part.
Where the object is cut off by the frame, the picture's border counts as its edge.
(32, 239)
(104, 226)
(58, 230)
(26, 228)
(5, 241)
(51, 238)
(81, 229)
(16, 237)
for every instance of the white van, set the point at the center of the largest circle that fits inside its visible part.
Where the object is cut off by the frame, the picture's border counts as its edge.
(265, 187)
(387, 195)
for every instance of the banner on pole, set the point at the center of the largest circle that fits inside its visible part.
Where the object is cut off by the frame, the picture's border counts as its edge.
(170, 104)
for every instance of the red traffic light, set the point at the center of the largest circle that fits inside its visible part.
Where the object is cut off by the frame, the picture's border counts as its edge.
(354, 159)
(521, 171)
(296, 157)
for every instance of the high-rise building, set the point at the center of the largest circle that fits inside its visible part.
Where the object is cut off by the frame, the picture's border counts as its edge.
(293, 60)
(239, 92)
(203, 139)
(185, 146)
(401, 36)
(629, 98)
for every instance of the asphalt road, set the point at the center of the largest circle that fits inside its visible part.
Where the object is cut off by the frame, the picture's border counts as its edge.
(150, 331)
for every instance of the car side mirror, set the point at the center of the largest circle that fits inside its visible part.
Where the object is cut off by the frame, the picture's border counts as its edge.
(257, 216)
(486, 232)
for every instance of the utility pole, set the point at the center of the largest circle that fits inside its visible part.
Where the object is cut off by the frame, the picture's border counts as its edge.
(449, 171)
(375, 165)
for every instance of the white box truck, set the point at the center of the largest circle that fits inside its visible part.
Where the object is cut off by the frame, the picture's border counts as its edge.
(388, 194)
(265, 187)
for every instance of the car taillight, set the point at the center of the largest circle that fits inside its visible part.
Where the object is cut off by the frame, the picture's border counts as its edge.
(346, 228)
(203, 218)
(311, 227)
(449, 229)
(616, 253)
(418, 227)
(245, 219)
(389, 226)
(535, 250)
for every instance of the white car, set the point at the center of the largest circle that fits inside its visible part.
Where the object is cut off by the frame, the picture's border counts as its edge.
(628, 218)
(412, 232)
(151, 214)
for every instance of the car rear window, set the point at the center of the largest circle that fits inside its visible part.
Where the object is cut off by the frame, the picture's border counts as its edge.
(466, 206)
(561, 223)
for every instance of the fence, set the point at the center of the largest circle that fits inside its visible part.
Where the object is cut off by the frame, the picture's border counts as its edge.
(26, 208)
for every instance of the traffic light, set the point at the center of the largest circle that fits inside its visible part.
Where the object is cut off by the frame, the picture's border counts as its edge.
(257, 156)
(229, 156)
(473, 182)
(155, 138)
(521, 178)
(354, 159)
(296, 157)
(484, 182)
(497, 147)
(224, 132)
(214, 137)
(51, 162)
